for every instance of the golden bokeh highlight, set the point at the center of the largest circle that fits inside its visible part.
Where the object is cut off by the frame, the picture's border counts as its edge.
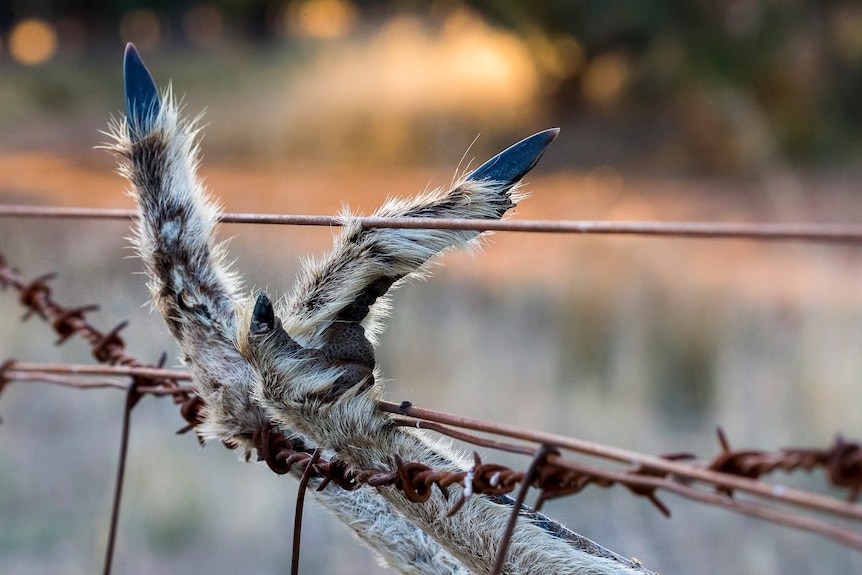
(33, 42)
(407, 68)
(323, 19)
(141, 27)
(561, 57)
(406, 74)
(606, 77)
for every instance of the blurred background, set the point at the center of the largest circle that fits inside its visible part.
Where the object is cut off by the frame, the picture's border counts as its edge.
(744, 110)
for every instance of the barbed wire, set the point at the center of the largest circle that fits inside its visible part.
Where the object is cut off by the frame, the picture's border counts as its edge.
(549, 472)
(106, 347)
(557, 476)
(663, 466)
(765, 231)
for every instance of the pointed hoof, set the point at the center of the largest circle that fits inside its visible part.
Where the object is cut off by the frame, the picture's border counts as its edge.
(142, 96)
(263, 316)
(513, 163)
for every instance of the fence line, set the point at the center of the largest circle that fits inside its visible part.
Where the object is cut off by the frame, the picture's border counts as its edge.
(551, 473)
(558, 476)
(764, 231)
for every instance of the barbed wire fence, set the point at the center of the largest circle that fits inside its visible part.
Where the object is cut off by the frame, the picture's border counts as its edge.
(559, 466)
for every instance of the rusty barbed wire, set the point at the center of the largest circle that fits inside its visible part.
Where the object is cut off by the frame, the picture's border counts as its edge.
(770, 231)
(106, 347)
(842, 463)
(552, 475)
(556, 477)
(699, 473)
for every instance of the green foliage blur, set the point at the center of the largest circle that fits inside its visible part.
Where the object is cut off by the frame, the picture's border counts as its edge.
(736, 83)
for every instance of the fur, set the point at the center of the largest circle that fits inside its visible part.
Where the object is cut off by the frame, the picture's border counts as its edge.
(318, 378)
(195, 293)
(315, 374)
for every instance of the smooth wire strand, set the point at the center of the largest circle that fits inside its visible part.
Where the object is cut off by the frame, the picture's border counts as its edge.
(767, 231)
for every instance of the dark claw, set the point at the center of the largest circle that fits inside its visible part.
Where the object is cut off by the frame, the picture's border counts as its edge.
(263, 316)
(514, 162)
(142, 96)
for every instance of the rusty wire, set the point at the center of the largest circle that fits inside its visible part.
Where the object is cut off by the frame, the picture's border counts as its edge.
(552, 475)
(297, 516)
(559, 476)
(842, 463)
(107, 347)
(556, 476)
(772, 231)
(538, 461)
(655, 464)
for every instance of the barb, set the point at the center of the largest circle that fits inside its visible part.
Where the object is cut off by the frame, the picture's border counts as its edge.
(538, 460)
(767, 231)
(107, 347)
(689, 472)
(552, 474)
(842, 463)
(281, 454)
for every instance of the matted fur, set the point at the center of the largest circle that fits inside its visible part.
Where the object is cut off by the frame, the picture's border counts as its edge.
(305, 392)
(317, 378)
(195, 292)
(362, 256)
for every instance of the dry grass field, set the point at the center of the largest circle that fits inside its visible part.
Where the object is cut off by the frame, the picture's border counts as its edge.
(647, 344)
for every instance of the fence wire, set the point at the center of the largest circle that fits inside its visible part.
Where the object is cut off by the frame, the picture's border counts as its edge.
(549, 472)
(765, 231)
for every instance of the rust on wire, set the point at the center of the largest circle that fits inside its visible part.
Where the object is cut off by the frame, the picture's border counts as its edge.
(771, 231)
(297, 516)
(551, 474)
(281, 454)
(842, 463)
(107, 347)
(678, 470)
(539, 460)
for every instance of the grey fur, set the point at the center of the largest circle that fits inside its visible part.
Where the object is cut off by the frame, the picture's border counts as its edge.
(316, 375)
(196, 294)
(321, 387)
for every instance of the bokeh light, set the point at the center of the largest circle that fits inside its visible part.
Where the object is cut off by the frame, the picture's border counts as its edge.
(141, 27)
(605, 78)
(320, 18)
(407, 67)
(561, 57)
(33, 42)
(404, 76)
